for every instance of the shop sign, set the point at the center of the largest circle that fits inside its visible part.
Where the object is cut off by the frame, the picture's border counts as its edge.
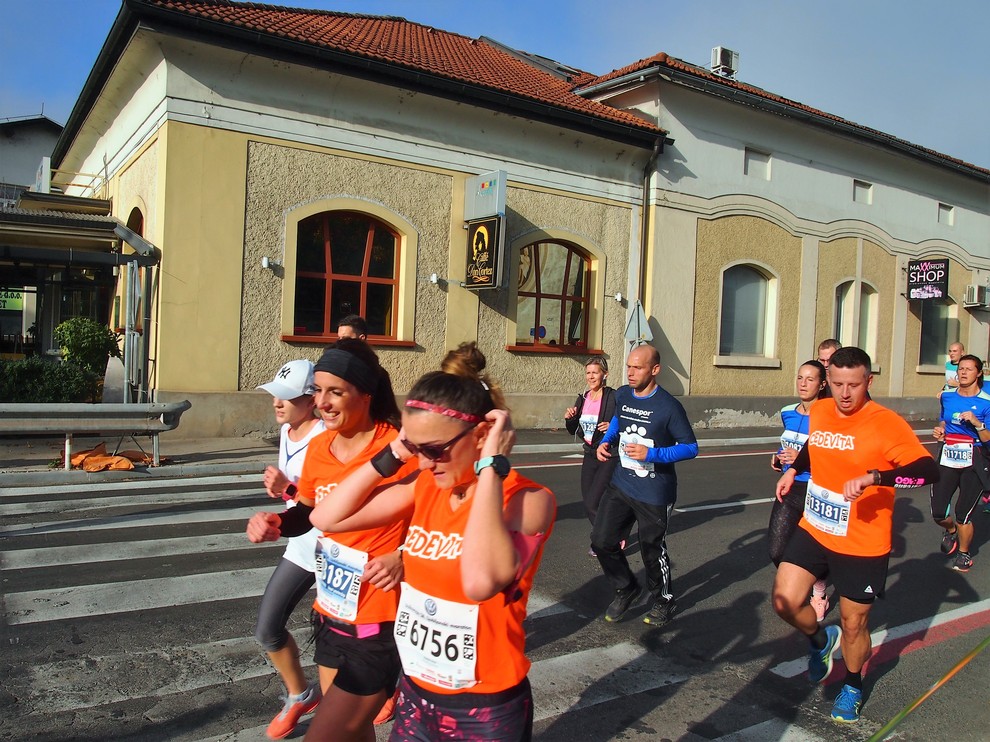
(484, 254)
(928, 279)
(12, 300)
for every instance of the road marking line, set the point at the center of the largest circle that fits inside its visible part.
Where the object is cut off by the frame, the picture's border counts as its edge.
(91, 680)
(134, 484)
(123, 501)
(134, 520)
(594, 676)
(134, 595)
(724, 505)
(974, 615)
(53, 556)
(776, 729)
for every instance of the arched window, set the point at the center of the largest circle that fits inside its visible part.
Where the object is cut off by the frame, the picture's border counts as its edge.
(855, 324)
(745, 323)
(552, 297)
(346, 263)
(939, 329)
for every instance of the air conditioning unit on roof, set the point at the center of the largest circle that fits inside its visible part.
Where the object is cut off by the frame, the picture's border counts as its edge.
(725, 62)
(976, 296)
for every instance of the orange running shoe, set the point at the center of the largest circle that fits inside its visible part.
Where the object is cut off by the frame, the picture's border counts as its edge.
(294, 708)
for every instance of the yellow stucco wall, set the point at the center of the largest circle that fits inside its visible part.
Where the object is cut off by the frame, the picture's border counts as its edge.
(598, 226)
(722, 242)
(880, 271)
(202, 247)
(281, 178)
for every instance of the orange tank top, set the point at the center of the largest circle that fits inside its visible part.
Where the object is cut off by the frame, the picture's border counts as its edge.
(464, 646)
(340, 556)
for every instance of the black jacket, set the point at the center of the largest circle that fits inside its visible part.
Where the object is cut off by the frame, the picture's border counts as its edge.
(605, 414)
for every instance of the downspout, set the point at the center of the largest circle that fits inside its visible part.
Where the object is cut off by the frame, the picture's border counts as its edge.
(645, 235)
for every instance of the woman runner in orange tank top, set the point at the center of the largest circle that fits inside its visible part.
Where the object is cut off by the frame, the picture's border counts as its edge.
(476, 535)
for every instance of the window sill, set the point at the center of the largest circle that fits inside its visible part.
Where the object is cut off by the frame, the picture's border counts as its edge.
(745, 362)
(930, 369)
(569, 350)
(328, 339)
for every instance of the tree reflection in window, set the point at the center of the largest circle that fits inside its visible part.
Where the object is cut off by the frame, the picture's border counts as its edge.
(346, 263)
(552, 290)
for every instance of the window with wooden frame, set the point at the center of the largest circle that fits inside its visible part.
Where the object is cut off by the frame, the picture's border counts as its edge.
(553, 290)
(346, 263)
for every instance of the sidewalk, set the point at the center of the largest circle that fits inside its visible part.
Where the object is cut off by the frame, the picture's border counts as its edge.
(35, 461)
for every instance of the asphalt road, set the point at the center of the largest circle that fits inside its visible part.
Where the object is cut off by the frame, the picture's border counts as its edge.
(128, 614)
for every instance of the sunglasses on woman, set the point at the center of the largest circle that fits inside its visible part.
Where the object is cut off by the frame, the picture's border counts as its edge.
(434, 451)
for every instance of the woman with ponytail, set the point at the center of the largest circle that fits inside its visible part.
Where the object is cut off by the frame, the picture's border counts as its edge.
(476, 535)
(357, 567)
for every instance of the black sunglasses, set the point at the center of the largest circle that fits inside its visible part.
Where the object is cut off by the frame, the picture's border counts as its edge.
(434, 451)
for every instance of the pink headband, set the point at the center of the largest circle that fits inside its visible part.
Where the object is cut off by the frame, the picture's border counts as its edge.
(444, 411)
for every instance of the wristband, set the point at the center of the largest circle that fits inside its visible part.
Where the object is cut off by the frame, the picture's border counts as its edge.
(385, 462)
(876, 476)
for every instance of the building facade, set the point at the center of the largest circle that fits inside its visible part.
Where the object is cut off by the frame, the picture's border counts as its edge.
(296, 166)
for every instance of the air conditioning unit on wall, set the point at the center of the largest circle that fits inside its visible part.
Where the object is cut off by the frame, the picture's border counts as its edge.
(976, 296)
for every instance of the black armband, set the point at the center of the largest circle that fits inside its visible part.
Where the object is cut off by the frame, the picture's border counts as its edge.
(295, 521)
(802, 462)
(386, 463)
(916, 474)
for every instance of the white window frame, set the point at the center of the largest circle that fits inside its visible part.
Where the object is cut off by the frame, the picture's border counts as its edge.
(769, 357)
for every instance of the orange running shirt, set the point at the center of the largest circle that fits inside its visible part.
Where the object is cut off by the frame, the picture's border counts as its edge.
(322, 471)
(843, 448)
(431, 557)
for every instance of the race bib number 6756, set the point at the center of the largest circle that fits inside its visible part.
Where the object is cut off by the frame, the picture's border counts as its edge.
(437, 639)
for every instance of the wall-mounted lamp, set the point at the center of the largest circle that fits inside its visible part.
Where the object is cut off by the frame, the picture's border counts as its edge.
(434, 278)
(269, 264)
(618, 297)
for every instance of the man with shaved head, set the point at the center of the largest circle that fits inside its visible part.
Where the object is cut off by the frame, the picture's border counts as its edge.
(649, 433)
(956, 351)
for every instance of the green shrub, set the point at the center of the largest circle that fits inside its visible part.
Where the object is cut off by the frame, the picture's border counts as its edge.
(40, 381)
(87, 343)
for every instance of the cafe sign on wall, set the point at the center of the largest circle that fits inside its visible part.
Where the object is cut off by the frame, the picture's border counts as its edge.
(928, 279)
(12, 300)
(484, 253)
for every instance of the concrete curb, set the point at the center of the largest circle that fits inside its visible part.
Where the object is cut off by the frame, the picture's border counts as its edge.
(250, 466)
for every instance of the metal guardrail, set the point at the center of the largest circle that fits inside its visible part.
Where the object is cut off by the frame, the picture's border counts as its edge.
(92, 419)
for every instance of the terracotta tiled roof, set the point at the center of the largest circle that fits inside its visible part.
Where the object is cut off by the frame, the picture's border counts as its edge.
(664, 60)
(401, 43)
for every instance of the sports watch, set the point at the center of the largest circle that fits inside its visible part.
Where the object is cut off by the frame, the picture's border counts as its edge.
(497, 462)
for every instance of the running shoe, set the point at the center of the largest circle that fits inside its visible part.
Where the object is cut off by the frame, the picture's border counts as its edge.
(293, 710)
(621, 603)
(661, 613)
(950, 542)
(591, 551)
(820, 660)
(820, 604)
(847, 705)
(962, 562)
(387, 712)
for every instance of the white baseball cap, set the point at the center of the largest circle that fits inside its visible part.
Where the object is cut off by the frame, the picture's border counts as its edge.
(291, 381)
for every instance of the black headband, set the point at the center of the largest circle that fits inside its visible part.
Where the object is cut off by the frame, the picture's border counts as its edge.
(348, 367)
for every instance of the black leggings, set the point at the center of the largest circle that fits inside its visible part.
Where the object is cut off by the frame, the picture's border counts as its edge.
(784, 519)
(595, 476)
(286, 587)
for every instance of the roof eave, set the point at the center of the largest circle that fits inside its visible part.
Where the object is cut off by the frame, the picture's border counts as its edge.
(248, 40)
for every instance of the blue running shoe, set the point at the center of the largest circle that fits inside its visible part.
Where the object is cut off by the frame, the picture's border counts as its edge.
(820, 661)
(847, 705)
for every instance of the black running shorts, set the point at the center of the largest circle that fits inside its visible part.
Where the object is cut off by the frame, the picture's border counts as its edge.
(860, 579)
(364, 666)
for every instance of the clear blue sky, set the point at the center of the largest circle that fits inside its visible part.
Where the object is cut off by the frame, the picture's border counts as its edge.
(912, 68)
